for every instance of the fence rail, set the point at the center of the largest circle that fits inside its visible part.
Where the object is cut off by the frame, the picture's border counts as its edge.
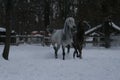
(45, 40)
(27, 38)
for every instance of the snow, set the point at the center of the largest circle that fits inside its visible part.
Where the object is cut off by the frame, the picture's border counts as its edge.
(35, 62)
(2, 29)
(115, 26)
(98, 26)
(93, 29)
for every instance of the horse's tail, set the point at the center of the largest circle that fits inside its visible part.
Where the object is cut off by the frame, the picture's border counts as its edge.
(50, 30)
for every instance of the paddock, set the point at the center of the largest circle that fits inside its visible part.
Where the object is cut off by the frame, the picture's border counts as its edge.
(31, 62)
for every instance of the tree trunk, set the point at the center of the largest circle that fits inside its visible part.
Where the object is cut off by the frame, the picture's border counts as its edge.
(8, 29)
(46, 14)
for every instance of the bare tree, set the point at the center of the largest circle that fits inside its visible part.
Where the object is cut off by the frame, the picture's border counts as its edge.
(8, 9)
(47, 13)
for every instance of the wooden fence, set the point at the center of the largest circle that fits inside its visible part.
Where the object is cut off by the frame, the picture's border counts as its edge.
(18, 39)
(43, 40)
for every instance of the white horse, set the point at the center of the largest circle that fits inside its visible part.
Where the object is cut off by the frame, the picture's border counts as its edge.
(63, 37)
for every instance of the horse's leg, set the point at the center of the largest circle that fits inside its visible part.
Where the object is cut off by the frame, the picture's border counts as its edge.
(75, 53)
(68, 48)
(63, 48)
(75, 50)
(80, 51)
(56, 50)
(80, 54)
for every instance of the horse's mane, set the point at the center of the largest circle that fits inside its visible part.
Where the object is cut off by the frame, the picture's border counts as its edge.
(66, 30)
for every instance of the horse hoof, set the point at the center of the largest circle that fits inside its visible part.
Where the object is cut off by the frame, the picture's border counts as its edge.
(79, 57)
(73, 57)
(56, 57)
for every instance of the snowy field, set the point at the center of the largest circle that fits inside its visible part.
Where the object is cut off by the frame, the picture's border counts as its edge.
(34, 62)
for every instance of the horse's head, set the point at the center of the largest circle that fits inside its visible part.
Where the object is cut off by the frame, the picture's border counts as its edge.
(70, 24)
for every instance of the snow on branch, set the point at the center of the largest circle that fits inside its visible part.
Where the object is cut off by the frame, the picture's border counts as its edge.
(93, 29)
(115, 26)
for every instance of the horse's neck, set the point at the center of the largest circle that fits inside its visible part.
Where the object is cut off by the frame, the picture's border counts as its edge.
(67, 32)
(67, 36)
(65, 28)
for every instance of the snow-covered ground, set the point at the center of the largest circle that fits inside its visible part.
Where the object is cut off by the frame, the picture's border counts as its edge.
(34, 62)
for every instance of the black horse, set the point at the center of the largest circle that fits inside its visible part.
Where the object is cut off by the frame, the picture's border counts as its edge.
(78, 40)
